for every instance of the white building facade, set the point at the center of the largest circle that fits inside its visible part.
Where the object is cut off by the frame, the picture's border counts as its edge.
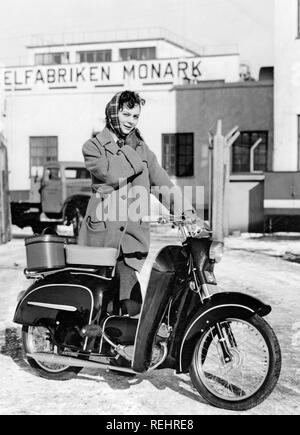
(287, 86)
(57, 101)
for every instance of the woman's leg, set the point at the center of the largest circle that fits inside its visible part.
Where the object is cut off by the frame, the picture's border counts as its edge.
(130, 289)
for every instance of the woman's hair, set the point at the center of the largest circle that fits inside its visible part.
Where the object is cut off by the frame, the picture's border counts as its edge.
(130, 99)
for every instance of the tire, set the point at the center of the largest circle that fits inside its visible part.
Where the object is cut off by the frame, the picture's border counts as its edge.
(74, 212)
(77, 221)
(225, 385)
(44, 370)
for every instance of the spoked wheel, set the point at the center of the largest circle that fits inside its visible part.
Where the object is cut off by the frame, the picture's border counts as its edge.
(240, 372)
(37, 339)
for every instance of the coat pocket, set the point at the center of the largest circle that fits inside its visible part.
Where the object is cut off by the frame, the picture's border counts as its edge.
(96, 226)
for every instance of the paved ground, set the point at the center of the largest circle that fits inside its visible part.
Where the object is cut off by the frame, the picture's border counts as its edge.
(248, 266)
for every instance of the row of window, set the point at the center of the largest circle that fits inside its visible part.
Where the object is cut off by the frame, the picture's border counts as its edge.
(93, 56)
(249, 153)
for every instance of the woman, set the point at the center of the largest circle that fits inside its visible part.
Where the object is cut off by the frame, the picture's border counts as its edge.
(118, 157)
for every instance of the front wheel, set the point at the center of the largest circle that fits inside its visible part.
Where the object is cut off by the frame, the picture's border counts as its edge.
(37, 339)
(241, 371)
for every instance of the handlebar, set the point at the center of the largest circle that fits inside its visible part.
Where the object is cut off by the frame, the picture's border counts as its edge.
(195, 227)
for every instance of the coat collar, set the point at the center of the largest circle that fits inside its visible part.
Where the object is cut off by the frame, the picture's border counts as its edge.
(106, 139)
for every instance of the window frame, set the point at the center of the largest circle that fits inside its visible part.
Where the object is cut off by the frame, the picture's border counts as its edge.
(94, 53)
(149, 51)
(251, 153)
(175, 152)
(78, 170)
(51, 56)
(31, 138)
(48, 171)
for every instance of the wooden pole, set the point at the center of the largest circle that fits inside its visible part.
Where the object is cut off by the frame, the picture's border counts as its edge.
(210, 176)
(221, 181)
(218, 185)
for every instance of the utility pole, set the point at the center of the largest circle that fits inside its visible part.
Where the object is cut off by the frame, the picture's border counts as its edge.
(220, 181)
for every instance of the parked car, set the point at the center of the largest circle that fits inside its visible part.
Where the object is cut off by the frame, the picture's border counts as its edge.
(63, 194)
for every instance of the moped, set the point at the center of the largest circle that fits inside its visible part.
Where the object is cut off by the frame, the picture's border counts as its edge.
(71, 320)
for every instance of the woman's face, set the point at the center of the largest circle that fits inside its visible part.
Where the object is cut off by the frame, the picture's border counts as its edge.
(129, 118)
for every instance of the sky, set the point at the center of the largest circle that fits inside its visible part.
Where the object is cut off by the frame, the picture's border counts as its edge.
(247, 24)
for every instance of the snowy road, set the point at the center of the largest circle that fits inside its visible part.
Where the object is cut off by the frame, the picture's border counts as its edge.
(257, 272)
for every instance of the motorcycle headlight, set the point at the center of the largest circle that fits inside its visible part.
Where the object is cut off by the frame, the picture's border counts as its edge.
(216, 252)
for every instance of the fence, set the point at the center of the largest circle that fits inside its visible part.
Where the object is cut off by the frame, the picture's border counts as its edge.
(5, 217)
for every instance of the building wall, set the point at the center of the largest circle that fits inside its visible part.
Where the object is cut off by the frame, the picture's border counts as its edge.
(247, 105)
(68, 101)
(287, 86)
(246, 198)
(73, 117)
(163, 49)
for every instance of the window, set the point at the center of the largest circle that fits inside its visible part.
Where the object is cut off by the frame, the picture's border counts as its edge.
(51, 58)
(140, 53)
(77, 173)
(94, 56)
(52, 174)
(43, 149)
(169, 153)
(249, 155)
(178, 154)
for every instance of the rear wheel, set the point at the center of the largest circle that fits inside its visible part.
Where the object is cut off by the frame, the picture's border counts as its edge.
(37, 339)
(251, 372)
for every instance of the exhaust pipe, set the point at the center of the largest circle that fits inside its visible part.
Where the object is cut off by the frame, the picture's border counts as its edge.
(75, 362)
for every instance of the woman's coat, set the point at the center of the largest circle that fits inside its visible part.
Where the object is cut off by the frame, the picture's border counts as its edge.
(107, 223)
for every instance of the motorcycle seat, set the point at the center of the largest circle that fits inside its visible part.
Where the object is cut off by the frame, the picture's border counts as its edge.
(91, 256)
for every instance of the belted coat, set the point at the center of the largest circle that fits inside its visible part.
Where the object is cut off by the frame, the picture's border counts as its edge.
(136, 165)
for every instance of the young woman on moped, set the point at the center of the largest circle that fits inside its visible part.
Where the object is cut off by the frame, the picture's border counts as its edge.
(80, 311)
(71, 320)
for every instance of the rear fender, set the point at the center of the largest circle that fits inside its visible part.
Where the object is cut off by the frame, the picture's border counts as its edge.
(64, 296)
(217, 308)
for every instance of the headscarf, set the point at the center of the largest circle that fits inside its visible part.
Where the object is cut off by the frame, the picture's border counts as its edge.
(113, 123)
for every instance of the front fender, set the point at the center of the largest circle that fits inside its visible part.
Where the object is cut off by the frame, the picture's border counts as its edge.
(214, 309)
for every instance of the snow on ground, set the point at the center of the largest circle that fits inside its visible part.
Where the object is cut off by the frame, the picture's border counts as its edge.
(251, 264)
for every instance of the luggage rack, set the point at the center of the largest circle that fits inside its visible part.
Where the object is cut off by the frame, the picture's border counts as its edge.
(42, 274)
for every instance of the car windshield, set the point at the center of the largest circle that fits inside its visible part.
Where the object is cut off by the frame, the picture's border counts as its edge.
(77, 173)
